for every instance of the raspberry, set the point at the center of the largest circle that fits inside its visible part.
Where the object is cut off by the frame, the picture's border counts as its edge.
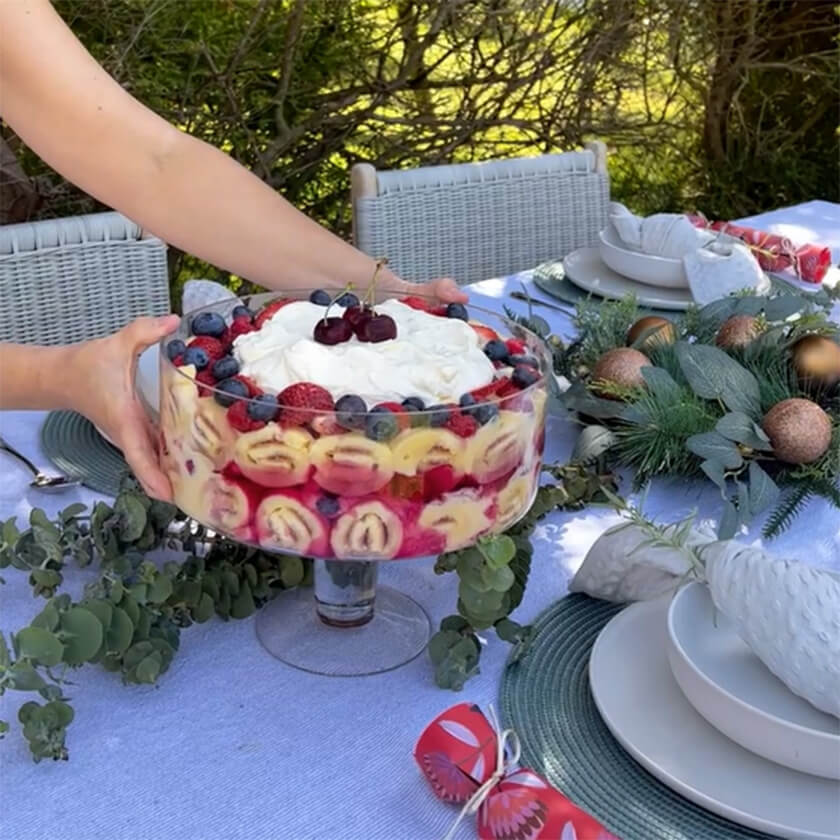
(213, 347)
(269, 310)
(205, 377)
(438, 480)
(416, 303)
(240, 326)
(463, 425)
(516, 347)
(238, 417)
(301, 401)
(487, 392)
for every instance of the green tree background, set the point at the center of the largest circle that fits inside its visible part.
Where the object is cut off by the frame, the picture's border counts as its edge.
(726, 107)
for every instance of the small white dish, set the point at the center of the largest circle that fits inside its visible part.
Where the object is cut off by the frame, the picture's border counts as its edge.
(642, 705)
(733, 689)
(664, 272)
(587, 271)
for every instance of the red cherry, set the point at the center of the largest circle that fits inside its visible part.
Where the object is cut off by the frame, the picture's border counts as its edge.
(377, 328)
(332, 331)
(356, 315)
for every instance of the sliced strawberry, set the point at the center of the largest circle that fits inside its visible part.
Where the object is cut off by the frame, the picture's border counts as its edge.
(238, 417)
(403, 420)
(417, 303)
(211, 346)
(301, 401)
(326, 424)
(240, 326)
(487, 392)
(515, 346)
(484, 332)
(269, 310)
(205, 377)
(439, 480)
(463, 425)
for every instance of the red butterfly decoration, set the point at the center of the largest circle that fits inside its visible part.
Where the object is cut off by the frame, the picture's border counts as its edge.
(459, 754)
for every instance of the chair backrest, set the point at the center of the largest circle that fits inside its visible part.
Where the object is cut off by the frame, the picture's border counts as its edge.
(67, 280)
(477, 220)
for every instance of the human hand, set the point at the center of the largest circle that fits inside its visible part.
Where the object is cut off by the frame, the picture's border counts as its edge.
(100, 379)
(443, 288)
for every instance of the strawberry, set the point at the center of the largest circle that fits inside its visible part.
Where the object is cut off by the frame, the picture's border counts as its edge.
(516, 347)
(301, 401)
(438, 310)
(213, 347)
(269, 310)
(487, 392)
(326, 424)
(403, 420)
(484, 332)
(416, 303)
(240, 326)
(205, 377)
(462, 424)
(438, 480)
(238, 417)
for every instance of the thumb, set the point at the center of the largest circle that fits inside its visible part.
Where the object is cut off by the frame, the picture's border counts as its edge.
(146, 331)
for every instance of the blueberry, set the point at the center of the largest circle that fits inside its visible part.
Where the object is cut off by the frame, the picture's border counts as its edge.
(466, 401)
(225, 367)
(175, 348)
(229, 391)
(328, 506)
(496, 350)
(347, 300)
(413, 404)
(242, 312)
(264, 407)
(523, 376)
(524, 360)
(381, 423)
(350, 411)
(208, 323)
(438, 415)
(320, 297)
(457, 310)
(485, 413)
(196, 356)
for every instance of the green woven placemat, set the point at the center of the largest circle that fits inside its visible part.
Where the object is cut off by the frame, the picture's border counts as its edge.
(72, 443)
(545, 697)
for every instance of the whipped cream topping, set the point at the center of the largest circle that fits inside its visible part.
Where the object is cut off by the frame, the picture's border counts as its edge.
(436, 359)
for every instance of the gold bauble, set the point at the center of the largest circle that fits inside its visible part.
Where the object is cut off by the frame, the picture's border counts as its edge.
(816, 360)
(622, 367)
(799, 431)
(737, 331)
(666, 332)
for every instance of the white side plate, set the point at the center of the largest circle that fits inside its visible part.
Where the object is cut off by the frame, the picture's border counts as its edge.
(651, 270)
(586, 270)
(645, 710)
(733, 689)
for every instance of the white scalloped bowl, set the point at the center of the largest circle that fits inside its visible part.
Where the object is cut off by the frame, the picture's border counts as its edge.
(664, 272)
(736, 693)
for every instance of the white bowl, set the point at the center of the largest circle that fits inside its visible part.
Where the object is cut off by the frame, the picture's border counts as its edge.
(734, 691)
(665, 272)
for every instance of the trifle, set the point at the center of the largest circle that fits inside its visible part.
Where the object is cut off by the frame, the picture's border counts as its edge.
(352, 429)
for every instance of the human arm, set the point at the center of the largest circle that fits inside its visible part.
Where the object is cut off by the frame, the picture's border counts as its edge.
(80, 121)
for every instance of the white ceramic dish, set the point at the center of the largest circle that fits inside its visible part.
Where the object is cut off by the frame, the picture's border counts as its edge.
(586, 270)
(642, 705)
(665, 272)
(731, 687)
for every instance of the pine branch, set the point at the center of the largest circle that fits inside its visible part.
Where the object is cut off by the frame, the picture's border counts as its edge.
(787, 509)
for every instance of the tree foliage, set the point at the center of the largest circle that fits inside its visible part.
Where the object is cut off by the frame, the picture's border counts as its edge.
(726, 107)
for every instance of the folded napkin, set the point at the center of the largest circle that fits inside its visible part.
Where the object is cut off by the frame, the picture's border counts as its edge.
(660, 235)
(721, 269)
(776, 253)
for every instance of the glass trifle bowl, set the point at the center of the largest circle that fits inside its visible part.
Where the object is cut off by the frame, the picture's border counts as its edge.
(352, 432)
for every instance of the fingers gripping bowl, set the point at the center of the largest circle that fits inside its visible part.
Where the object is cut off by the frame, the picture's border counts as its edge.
(312, 423)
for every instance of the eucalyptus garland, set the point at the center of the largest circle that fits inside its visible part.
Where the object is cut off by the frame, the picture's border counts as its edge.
(707, 397)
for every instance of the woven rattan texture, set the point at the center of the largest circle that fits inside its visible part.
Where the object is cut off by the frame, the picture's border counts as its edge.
(68, 280)
(474, 230)
(545, 697)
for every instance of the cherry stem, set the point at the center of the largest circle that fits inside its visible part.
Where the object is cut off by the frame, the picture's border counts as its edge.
(371, 292)
(344, 291)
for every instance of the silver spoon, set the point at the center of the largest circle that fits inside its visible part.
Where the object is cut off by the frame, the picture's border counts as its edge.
(536, 302)
(47, 483)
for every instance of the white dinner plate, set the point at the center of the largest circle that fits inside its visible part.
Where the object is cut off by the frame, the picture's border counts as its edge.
(649, 269)
(586, 270)
(642, 705)
(733, 689)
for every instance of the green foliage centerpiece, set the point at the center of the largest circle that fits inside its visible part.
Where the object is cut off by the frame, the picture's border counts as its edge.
(744, 392)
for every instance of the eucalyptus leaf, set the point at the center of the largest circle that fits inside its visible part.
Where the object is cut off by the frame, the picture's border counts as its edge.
(40, 645)
(454, 622)
(131, 608)
(102, 609)
(715, 447)
(750, 305)
(5, 658)
(160, 589)
(714, 375)
(81, 632)
(510, 631)
(719, 310)
(763, 490)
(47, 618)
(23, 677)
(592, 443)
(782, 307)
(744, 514)
(243, 604)
(72, 511)
(148, 669)
(660, 383)
(132, 513)
(715, 471)
(728, 521)
(136, 654)
(120, 632)
(204, 610)
(741, 428)
(291, 571)
(579, 399)
(497, 551)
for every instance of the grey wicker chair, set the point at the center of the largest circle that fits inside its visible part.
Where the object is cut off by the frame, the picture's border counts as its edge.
(477, 220)
(68, 280)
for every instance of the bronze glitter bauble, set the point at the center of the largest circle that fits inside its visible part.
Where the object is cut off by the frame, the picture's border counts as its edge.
(666, 332)
(816, 360)
(799, 430)
(737, 331)
(622, 367)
